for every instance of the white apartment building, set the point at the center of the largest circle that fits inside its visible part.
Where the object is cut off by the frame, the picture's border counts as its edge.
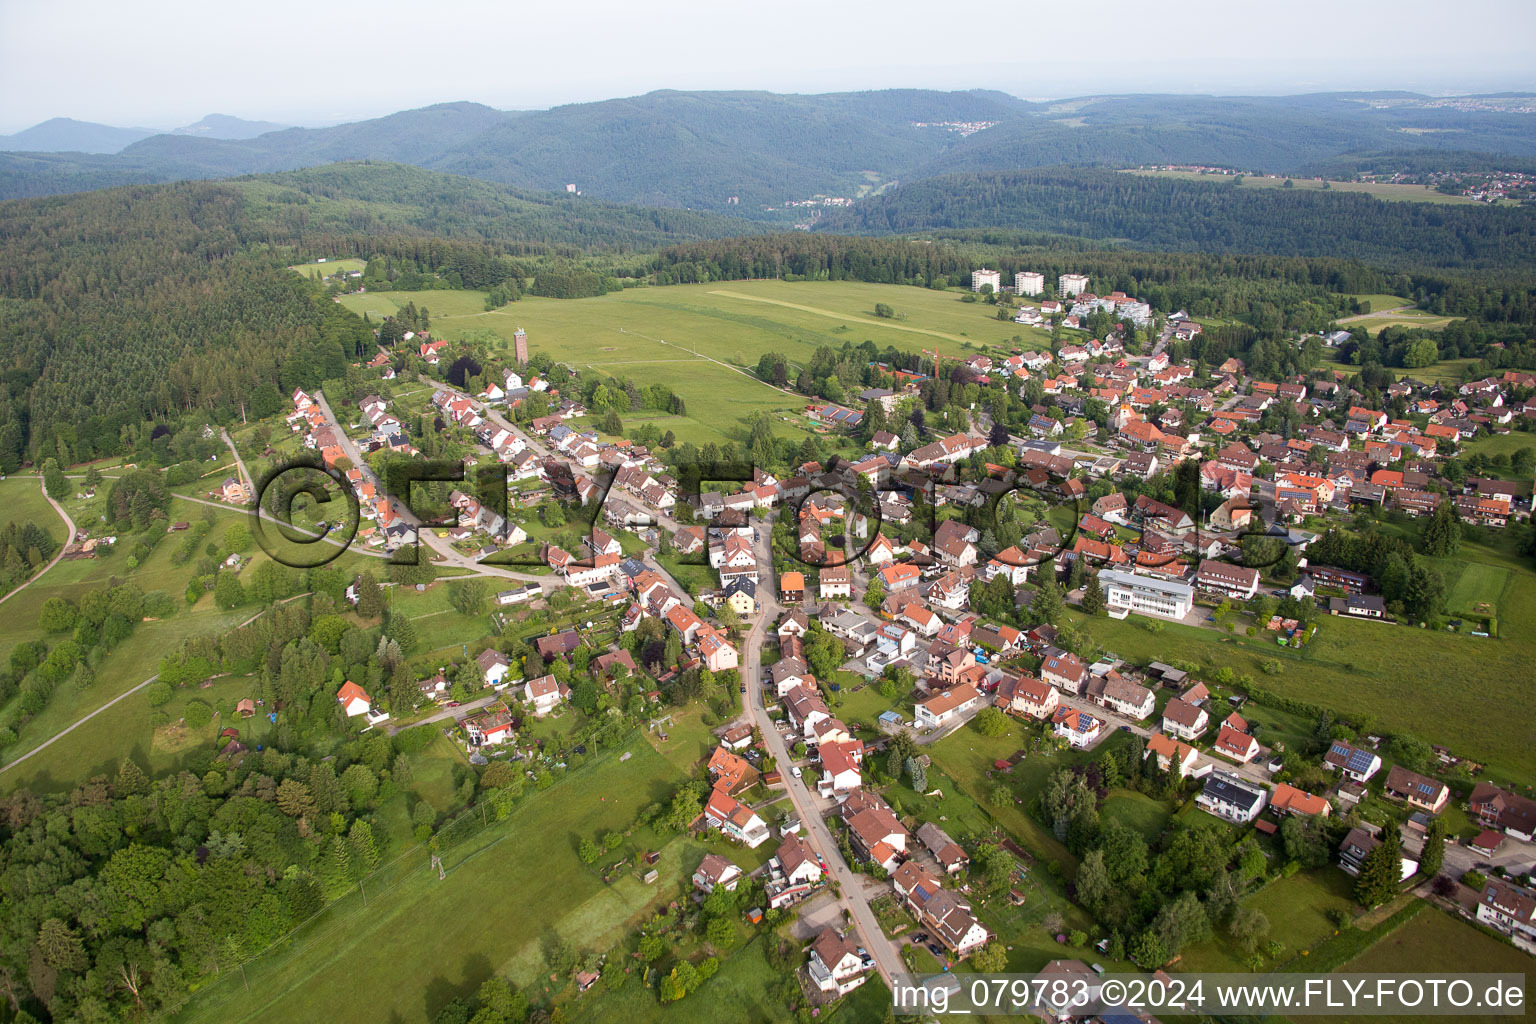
(1027, 282)
(1147, 595)
(985, 277)
(1071, 284)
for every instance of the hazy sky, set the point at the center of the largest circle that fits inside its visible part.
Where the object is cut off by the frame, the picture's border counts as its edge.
(164, 63)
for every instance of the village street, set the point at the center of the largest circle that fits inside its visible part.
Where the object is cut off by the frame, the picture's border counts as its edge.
(853, 897)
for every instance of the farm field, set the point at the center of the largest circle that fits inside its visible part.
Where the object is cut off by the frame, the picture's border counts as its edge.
(508, 900)
(1479, 589)
(700, 339)
(1386, 192)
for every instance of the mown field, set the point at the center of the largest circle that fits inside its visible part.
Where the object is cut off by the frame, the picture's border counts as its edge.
(702, 340)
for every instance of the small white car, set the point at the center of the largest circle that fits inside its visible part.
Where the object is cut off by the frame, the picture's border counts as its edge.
(795, 770)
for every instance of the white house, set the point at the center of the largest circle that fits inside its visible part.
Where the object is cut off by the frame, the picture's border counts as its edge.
(1147, 595)
(1078, 728)
(936, 712)
(1230, 797)
(836, 965)
(493, 665)
(543, 693)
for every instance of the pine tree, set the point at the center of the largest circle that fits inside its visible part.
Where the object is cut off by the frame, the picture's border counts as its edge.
(1380, 875)
(1442, 532)
(1433, 854)
(130, 780)
(336, 869)
(401, 632)
(360, 848)
(1093, 597)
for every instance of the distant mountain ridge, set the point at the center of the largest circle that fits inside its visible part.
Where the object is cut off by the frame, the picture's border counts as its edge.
(225, 126)
(750, 154)
(66, 135)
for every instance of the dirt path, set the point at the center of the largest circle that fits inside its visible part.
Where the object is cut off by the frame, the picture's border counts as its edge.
(58, 555)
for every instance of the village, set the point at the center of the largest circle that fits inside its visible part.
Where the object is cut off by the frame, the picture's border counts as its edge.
(889, 570)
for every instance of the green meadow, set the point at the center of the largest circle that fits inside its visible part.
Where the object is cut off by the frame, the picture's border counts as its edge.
(703, 341)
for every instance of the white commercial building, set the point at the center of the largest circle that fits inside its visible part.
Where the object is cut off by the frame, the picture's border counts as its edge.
(1071, 284)
(986, 277)
(1148, 595)
(1028, 283)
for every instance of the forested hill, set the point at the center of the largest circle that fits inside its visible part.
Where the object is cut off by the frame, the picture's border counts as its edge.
(701, 150)
(127, 307)
(1215, 217)
(681, 149)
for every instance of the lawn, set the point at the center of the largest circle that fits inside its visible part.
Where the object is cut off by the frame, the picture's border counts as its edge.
(329, 268)
(500, 905)
(23, 500)
(1297, 908)
(1478, 589)
(1136, 810)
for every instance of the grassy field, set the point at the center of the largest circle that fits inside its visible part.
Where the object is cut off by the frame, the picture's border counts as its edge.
(22, 499)
(1136, 810)
(1478, 589)
(127, 729)
(1434, 941)
(699, 339)
(1297, 908)
(1386, 192)
(1405, 678)
(330, 267)
(509, 892)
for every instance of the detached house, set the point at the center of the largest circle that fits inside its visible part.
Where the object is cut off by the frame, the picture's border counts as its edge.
(1185, 721)
(1236, 746)
(835, 965)
(1351, 761)
(1034, 698)
(543, 694)
(1171, 754)
(1064, 670)
(1418, 791)
(1230, 797)
(937, 712)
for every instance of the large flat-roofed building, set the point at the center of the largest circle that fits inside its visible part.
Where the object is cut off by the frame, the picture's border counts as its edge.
(1028, 283)
(982, 277)
(1071, 284)
(1147, 595)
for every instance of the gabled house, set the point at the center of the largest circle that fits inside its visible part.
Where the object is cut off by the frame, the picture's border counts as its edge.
(937, 712)
(714, 872)
(1171, 754)
(835, 965)
(1033, 698)
(1231, 797)
(1417, 791)
(1351, 761)
(1185, 721)
(543, 694)
(1236, 746)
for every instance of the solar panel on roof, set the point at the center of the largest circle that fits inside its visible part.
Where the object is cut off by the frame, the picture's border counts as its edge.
(1359, 761)
(1427, 789)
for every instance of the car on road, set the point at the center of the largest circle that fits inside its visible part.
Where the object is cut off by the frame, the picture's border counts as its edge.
(452, 704)
(794, 770)
(743, 687)
(1125, 728)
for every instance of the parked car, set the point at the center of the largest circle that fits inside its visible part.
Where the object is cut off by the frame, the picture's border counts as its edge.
(794, 770)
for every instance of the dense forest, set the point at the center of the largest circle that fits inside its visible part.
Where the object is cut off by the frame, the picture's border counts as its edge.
(1199, 216)
(130, 307)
